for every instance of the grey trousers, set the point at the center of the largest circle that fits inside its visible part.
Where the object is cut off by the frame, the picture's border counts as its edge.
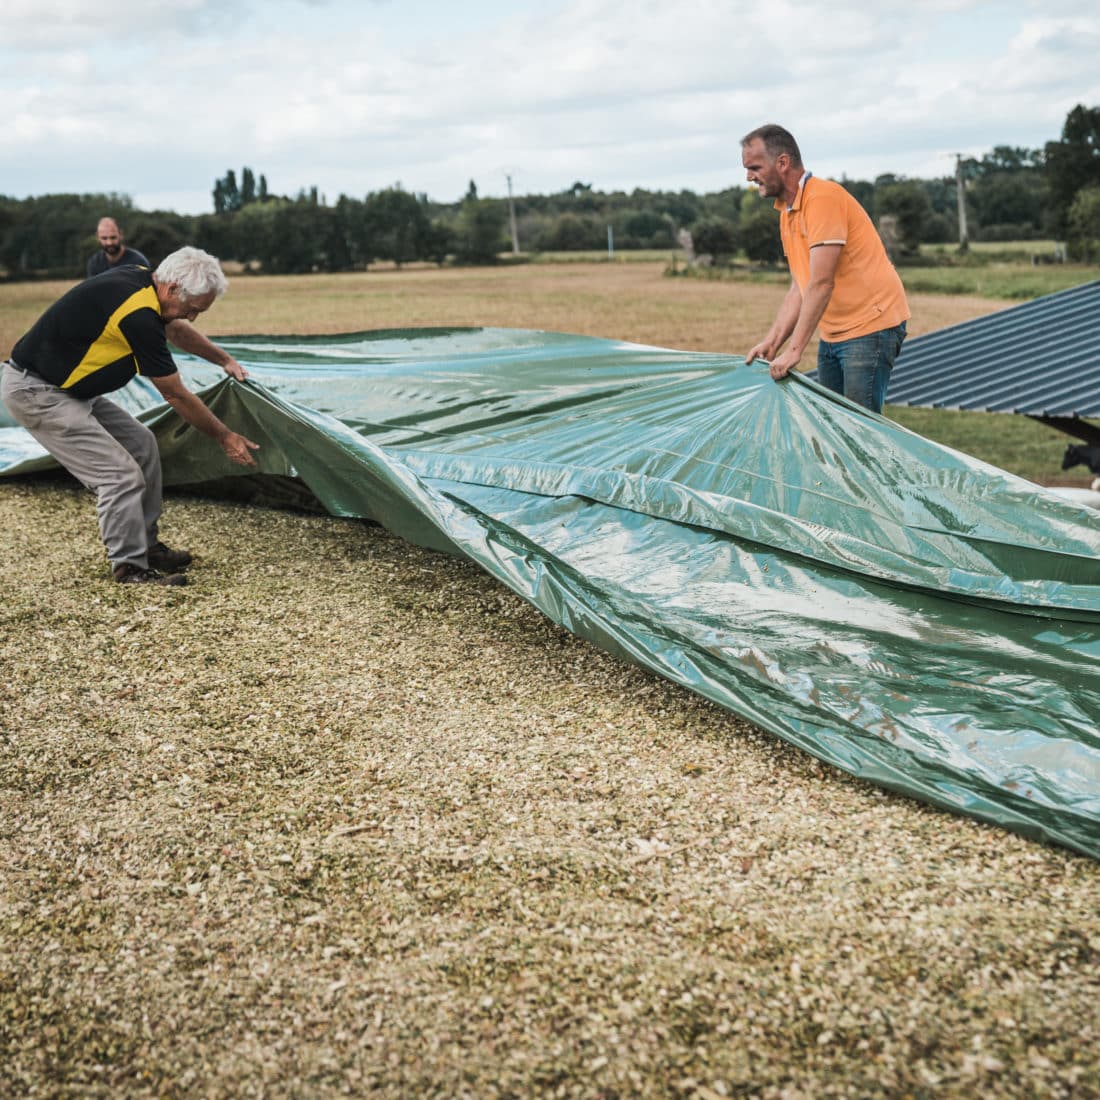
(102, 446)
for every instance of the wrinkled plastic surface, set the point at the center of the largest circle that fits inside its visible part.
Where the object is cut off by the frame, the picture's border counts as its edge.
(900, 610)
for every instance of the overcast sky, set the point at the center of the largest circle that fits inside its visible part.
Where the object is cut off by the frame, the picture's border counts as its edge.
(157, 100)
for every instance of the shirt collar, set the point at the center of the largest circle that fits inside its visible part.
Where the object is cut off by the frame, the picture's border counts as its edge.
(781, 205)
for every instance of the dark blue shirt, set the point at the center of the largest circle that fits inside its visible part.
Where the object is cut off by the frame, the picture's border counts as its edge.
(130, 257)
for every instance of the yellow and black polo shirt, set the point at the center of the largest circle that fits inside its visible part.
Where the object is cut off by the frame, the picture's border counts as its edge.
(95, 338)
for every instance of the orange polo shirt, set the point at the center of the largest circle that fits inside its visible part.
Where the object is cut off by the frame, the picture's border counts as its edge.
(867, 296)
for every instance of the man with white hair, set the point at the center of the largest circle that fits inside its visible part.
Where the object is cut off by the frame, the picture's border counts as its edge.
(90, 342)
(113, 252)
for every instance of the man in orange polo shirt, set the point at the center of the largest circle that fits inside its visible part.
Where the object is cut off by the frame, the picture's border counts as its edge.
(842, 278)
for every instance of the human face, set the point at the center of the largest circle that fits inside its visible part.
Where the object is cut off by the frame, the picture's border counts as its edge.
(176, 306)
(109, 237)
(762, 171)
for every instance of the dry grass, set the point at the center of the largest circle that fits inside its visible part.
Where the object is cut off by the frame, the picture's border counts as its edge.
(345, 817)
(623, 301)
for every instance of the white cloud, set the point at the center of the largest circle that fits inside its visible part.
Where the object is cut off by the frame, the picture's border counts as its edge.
(111, 29)
(157, 99)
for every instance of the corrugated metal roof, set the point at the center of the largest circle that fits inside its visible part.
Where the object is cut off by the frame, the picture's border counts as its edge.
(1041, 358)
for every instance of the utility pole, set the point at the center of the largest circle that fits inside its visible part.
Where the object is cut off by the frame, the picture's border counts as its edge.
(512, 218)
(960, 192)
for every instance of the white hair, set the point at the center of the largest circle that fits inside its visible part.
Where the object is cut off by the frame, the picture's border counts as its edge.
(193, 271)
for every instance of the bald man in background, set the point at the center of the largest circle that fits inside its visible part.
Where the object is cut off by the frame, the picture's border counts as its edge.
(113, 252)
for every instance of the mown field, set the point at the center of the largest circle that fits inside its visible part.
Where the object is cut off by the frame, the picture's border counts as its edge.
(345, 817)
(629, 300)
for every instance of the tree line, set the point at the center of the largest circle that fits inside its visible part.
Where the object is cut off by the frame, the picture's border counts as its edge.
(1009, 194)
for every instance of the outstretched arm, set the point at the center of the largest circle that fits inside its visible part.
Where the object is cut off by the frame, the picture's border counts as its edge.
(823, 262)
(236, 447)
(782, 326)
(188, 338)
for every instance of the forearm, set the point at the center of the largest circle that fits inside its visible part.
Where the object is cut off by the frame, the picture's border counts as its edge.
(787, 318)
(191, 409)
(189, 339)
(814, 302)
(236, 447)
(781, 328)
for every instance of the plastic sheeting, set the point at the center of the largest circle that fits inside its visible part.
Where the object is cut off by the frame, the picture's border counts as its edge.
(897, 609)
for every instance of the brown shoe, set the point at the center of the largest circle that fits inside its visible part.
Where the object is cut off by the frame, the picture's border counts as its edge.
(133, 574)
(162, 557)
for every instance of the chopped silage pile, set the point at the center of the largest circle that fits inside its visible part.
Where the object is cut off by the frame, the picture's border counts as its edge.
(346, 816)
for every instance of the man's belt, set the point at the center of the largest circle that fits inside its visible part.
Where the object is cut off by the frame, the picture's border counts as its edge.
(22, 370)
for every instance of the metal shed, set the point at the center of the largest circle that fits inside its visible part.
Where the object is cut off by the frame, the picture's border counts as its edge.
(1040, 359)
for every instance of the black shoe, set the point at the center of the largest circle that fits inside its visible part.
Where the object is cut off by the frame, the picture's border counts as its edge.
(161, 557)
(133, 574)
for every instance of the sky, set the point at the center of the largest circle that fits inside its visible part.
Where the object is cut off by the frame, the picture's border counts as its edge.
(157, 100)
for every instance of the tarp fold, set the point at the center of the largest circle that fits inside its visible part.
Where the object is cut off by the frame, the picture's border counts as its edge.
(895, 608)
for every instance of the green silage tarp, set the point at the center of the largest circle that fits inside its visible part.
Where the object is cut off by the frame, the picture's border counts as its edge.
(898, 609)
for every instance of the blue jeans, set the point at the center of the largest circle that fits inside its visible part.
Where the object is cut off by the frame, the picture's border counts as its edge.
(860, 368)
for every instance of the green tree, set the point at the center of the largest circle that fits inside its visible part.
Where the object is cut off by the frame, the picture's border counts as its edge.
(908, 203)
(9, 213)
(759, 231)
(397, 226)
(214, 233)
(760, 240)
(716, 237)
(352, 246)
(55, 234)
(479, 235)
(721, 204)
(1006, 193)
(158, 232)
(1010, 203)
(571, 232)
(285, 236)
(1083, 225)
(439, 242)
(643, 229)
(251, 238)
(1010, 158)
(227, 196)
(585, 200)
(1073, 163)
(941, 229)
(299, 234)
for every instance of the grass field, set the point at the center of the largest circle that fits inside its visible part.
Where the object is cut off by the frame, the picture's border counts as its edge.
(629, 301)
(1001, 271)
(346, 818)
(1013, 281)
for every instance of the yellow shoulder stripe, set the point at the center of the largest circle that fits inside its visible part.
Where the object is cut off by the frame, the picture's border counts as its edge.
(110, 345)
